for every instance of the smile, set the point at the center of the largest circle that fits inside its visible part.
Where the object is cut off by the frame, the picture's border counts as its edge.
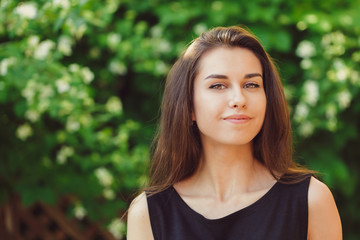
(238, 119)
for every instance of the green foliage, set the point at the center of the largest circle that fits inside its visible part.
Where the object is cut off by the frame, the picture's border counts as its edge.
(81, 80)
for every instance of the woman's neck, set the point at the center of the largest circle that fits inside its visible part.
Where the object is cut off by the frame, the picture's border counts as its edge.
(227, 170)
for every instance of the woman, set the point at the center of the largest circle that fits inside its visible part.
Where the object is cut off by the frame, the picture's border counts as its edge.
(222, 164)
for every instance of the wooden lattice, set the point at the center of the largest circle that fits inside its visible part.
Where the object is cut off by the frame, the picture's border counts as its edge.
(43, 222)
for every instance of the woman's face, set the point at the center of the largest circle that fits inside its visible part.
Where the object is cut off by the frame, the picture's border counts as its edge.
(229, 96)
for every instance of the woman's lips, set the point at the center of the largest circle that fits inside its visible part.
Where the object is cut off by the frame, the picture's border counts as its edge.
(237, 118)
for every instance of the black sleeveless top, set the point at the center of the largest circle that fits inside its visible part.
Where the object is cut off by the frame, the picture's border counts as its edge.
(281, 214)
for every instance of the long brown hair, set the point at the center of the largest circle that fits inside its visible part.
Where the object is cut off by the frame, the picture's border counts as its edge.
(177, 147)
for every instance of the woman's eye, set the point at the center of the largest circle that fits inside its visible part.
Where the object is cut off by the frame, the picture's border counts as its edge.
(217, 86)
(251, 85)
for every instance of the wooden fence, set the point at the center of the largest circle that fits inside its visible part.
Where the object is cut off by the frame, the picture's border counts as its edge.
(43, 222)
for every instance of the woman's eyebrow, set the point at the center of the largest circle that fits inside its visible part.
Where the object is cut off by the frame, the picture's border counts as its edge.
(220, 76)
(251, 75)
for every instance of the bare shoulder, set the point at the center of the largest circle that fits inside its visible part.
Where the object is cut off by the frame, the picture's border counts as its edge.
(324, 219)
(138, 222)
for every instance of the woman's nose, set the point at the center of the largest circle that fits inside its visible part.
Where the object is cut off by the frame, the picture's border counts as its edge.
(237, 100)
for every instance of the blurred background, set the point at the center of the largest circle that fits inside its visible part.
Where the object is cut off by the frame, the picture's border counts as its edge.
(80, 87)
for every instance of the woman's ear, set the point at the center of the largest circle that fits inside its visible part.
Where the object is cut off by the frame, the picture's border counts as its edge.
(193, 118)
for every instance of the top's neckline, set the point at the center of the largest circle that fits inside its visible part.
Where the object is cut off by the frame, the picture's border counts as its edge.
(243, 211)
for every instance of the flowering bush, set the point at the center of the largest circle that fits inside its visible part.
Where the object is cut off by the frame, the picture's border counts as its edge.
(80, 82)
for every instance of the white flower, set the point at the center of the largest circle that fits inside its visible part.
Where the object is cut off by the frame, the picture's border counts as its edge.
(85, 119)
(338, 64)
(113, 105)
(301, 112)
(344, 98)
(33, 41)
(109, 194)
(44, 104)
(355, 78)
(301, 25)
(3, 67)
(161, 67)
(88, 101)
(42, 51)
(338, 37)
(32, 115)
(330, 111)
(306, 49)
(74, 67)
(342, 71)
(342, 74)
(335, 50)
(163, 46)
(87, 74)
(79, 32)
(32, 44)
(5, 3)
(306, 63)
(24, 131)
(64, 153)
(325, 25)
(29, 91)
(62, 85)
(46, 92)
(26, 10)
(117, 227)
(79, 211)
(72, 125)
(200, 28)
(306, 129)
(156, 31)
(332, 124)
(82, 95)
(112, 5)
(5, 64)
(217, 5)
(117, 67)
(64, 45)
(356, 57)
(104, 176)
(113, 40)
(66, 107)
(121, 137)
(75, 29)
(334, 43)
(346, 19)
(311, 18)
(311, 89)
(63, 4)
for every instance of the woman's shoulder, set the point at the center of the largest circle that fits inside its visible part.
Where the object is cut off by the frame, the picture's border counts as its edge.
(138, 206)
(324, 219)
(138, 222)
(319, 195)
(318, 191)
